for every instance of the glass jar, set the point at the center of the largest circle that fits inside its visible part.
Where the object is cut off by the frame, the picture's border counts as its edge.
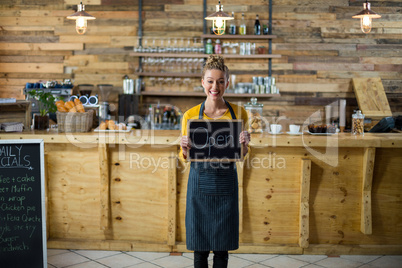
(234, 48)
(358, 123)
(265, 30)
(242, 49)
(255, 119)
(225, 47)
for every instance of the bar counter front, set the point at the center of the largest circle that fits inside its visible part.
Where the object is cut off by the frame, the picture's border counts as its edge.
(338, 194)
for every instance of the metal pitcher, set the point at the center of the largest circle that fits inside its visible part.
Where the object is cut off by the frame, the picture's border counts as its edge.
(128, 85)
(103, 111)
(138, 85)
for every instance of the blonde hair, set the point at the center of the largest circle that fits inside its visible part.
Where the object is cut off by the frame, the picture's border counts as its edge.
(215, 62)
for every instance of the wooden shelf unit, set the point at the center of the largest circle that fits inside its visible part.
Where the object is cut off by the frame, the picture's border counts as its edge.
(202, 94)
(19, 111)
(269, 56)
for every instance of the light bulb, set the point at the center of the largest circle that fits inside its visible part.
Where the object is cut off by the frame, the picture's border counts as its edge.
(219, 27)
(219, 23)
(81, 25)
(365, 24)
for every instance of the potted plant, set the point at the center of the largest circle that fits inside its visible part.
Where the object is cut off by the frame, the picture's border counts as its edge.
(46, 105)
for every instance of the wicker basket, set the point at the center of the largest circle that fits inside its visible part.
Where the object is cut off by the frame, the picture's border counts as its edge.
(74, 122)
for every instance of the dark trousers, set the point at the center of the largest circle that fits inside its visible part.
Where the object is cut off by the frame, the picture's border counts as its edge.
(220, 259)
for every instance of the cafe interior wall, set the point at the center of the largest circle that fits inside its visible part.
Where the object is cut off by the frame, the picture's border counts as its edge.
(322, 47)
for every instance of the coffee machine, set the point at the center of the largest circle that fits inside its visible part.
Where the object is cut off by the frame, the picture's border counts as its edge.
(129, 100)
(59, 90)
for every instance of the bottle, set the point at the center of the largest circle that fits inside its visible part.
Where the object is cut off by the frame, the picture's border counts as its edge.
(150, 117)
(158, 117)
(208, 47)
(257, 26)
(242, 29)
(218, 47)
(165, 118)
(232, 26)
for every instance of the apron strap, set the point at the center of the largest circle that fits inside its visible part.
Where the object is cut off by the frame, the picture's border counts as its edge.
(201, 114)
(231, 110)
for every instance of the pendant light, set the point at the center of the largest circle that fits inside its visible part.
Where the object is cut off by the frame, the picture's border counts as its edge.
(219, 18)
(365, 16)
(81, 18)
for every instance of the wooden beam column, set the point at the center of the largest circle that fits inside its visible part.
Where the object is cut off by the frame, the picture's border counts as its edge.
(104, 185)
(172, 199)
(366, 224)
(240, 175)
(304, 214)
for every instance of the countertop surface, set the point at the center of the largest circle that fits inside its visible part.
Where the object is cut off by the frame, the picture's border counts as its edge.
(172, 138)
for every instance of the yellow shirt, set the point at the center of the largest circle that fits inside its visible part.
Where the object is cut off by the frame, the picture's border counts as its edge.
(193, 113)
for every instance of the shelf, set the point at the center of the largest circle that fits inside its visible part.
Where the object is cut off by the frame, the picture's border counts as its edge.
(185, 55)
(169, 55)
(202, 94)
(255, 56)
(238, 36)
(198, 75)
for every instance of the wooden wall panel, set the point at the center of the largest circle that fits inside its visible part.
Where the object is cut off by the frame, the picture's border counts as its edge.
(135, 169)
(322, 47)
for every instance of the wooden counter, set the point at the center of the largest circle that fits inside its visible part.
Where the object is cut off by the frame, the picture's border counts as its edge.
(306, 194)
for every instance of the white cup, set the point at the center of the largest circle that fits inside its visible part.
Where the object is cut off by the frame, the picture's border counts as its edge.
(275, 128)
(294, 128)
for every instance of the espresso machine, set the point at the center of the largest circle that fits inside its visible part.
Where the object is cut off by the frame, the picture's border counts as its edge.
(59, 90)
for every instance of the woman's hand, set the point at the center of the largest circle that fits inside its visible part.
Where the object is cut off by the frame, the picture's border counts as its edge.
(185, 145)
(245, 140)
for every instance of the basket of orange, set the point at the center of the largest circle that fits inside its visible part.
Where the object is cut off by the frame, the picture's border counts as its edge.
(72, 117)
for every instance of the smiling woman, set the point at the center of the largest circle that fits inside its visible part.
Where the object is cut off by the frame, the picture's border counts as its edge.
(212, 212)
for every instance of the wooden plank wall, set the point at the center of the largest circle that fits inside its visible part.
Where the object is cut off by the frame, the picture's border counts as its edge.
(322, 47)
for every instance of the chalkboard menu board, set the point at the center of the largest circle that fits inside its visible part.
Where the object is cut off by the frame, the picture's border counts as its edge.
(215, 140)
(22, 204)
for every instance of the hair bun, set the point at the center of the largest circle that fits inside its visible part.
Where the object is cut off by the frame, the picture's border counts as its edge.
(215, 60)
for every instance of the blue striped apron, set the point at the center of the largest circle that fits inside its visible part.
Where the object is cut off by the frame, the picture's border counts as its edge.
(212, 211)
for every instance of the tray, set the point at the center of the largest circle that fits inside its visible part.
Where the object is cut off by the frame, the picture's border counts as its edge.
(111, 131)
(294, 134)
(320, 134)
(371, 97)
(279, 133)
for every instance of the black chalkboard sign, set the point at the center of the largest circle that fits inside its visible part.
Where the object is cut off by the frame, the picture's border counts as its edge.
(215, 140)
(22, 204)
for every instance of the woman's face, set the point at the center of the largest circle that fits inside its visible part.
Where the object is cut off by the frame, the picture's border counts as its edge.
(214, 84)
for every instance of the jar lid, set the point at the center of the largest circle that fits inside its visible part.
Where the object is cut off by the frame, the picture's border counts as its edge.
(209, 41)
(218, 41)
(253, 104)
